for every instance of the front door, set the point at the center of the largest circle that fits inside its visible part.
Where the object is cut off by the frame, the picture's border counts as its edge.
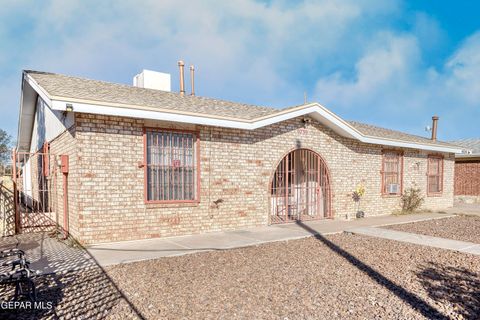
(300, 188)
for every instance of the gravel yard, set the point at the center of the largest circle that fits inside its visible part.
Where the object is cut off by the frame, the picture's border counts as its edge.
(340, 276)
(334, 277)
(463, 228)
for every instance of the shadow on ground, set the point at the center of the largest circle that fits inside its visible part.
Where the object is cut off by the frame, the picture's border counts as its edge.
(450, 285)
(417, 303)
(72, 284)
(78, 288)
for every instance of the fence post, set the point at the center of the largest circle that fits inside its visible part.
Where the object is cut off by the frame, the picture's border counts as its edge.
(15, 193)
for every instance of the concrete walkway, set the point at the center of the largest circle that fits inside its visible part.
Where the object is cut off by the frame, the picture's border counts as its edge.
(465, 208)
(129, 251)
(442, 243)
(46, 254)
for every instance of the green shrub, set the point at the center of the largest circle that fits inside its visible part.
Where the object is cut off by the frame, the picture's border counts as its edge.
(411, 200)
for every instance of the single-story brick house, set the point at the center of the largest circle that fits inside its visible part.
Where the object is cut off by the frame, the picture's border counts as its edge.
(145, 162)
(467, 171)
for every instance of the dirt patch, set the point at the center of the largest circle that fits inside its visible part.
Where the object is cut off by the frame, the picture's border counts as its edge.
(337, 277)
(463, 228)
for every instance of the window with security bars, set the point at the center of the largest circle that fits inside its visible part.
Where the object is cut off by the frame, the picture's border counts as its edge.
(392, 173)
(435, 175)
(171, 166)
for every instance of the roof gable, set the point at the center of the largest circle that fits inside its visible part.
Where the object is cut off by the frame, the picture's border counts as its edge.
(99, 97)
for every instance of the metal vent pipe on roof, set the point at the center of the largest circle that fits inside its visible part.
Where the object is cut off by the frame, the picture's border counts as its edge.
(434, 127)
(192, 79)
(181, 64)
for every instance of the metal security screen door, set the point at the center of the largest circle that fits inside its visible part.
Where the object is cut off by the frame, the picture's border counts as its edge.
(38, 191)
(300, 188)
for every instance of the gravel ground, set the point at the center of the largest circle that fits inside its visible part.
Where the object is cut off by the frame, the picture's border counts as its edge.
(463, 228)
(87, 294)
(337, 277)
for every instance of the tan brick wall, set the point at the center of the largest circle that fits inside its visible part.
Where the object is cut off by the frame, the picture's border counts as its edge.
(236, 166)
(66, 144)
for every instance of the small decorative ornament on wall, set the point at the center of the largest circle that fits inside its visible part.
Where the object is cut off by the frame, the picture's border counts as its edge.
(416, 166)
(176, 163)
(303, 131)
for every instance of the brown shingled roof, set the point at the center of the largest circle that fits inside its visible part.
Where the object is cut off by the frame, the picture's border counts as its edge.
(374, 131)
(69, 87)
(101, 91)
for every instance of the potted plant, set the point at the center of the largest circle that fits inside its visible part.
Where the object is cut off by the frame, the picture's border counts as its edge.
(357, 197)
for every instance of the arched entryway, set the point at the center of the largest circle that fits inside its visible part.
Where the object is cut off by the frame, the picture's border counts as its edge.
(300, 188)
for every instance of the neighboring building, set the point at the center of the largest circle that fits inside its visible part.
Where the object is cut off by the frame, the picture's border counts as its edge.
(149, 163)
(467, 171)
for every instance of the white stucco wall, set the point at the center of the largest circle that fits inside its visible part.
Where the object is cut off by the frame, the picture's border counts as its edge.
(48, 124)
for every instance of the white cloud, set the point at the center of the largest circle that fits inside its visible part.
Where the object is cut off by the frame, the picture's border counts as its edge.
(383, 71)
(462, 71)
(246, 51)
(237, 45)
(391, 87)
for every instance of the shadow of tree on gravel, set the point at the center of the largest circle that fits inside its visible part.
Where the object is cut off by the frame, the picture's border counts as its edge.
(86, 292)
(418, 304)
(456, 286)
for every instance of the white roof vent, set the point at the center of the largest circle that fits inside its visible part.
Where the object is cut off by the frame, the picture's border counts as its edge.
(153, 80)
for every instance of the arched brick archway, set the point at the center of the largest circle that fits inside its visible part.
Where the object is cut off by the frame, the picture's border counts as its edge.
(300, 188)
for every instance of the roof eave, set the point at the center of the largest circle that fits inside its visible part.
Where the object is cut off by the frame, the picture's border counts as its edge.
(26, 116)
(316, 110)
(467, 156)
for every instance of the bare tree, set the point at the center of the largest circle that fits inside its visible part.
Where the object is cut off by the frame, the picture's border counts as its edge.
(5, 146)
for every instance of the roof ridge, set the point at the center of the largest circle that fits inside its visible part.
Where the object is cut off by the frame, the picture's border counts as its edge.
(176, 94)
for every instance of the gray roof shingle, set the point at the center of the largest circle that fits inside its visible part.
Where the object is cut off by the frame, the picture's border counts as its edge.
(472, 144)
(374, 131)
(101, 91)
(106, 92)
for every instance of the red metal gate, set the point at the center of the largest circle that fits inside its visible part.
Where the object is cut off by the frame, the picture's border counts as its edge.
(300, 188)
(38, 194)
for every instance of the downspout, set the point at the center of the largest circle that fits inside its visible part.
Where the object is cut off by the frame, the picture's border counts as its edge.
(64, 167)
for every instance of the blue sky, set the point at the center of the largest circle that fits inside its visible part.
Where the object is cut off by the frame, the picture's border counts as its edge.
(389, 63)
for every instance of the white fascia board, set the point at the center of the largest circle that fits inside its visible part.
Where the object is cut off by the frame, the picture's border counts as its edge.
(26, 116)
(330, 118)
(401, 144)
(147, 114)
(466, 156)
(38, 89)
(20, 115)
(202, 120)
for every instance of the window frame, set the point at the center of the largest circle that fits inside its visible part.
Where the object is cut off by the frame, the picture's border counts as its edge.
(440, 166)
(400, 173)
(196, 147)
